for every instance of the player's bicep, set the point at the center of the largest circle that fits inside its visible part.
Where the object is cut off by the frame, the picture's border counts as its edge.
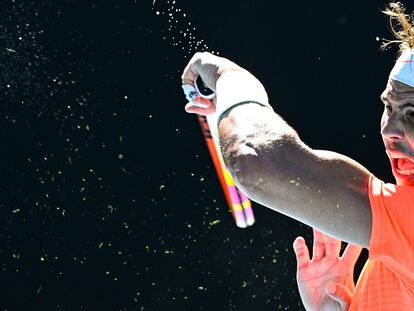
(323, 189)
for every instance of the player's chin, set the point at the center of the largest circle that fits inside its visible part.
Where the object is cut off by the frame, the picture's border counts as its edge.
(404, 180)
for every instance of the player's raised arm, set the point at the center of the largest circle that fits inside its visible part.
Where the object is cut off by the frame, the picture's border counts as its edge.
(271, 164)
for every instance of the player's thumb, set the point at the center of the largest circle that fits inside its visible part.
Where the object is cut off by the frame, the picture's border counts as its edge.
(340, 294)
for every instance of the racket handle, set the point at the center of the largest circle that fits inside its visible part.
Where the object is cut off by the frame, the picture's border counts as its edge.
(202, 89)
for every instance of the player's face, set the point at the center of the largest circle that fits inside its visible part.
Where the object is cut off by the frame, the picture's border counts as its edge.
(397, 130)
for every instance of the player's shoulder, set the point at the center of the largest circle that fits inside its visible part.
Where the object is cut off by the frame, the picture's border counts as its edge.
(380, 188)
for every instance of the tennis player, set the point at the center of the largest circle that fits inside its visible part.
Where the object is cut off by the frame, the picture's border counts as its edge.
(328, 191)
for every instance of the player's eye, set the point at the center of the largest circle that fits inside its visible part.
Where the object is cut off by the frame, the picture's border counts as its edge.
(388, 109)
(410, 114)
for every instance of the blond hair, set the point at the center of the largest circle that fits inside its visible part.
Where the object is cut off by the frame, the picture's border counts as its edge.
(402, 26)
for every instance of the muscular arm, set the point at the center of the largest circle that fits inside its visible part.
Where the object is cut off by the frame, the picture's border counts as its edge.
(275, 168)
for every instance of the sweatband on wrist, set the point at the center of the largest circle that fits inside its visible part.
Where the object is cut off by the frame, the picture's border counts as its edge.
(234, 88)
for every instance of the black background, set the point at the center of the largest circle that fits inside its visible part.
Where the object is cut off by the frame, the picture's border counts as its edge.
(108, 197)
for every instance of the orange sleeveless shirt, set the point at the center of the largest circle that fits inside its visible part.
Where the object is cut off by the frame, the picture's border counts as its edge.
(387, 280)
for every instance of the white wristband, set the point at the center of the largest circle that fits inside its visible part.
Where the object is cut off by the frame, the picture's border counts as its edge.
(238, 87)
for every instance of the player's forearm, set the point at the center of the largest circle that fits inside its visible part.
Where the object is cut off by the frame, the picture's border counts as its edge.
(251, 136)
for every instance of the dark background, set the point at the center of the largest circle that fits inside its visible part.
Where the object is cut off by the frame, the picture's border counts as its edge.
(108, 197)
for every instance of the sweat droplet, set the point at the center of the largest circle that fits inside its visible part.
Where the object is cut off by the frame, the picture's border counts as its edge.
(179, 33)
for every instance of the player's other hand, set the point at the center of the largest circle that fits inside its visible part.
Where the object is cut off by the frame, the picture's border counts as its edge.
(326, 282)
(209, 67)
